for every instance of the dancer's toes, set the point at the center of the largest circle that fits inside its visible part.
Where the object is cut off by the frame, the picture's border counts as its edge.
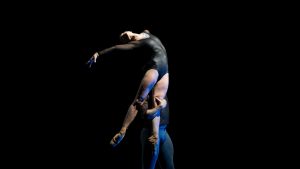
(116, 139)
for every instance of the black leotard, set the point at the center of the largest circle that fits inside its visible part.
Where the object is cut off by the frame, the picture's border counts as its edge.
(158, 55)
(151, 48)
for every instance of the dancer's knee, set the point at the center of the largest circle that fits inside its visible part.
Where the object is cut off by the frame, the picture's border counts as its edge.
(140, 105)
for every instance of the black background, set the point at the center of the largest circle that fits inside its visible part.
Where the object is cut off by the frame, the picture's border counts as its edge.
(63, 114)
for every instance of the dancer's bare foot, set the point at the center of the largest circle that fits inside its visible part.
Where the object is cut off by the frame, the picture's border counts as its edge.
(117, 138)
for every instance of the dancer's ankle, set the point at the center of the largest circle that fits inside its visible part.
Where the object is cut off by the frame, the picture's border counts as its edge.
(123, 130)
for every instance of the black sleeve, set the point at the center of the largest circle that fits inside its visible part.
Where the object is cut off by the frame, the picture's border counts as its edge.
(124, 47)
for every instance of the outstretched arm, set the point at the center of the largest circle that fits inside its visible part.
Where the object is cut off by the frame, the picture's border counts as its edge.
(123, 47)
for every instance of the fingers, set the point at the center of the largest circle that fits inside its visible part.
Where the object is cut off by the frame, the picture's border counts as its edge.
(158, 100)
(161, 102)
(95, 56)
(90, 62)
(153, 139)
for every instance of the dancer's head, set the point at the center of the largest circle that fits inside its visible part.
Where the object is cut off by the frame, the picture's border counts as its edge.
(125, 36)
(128, 36)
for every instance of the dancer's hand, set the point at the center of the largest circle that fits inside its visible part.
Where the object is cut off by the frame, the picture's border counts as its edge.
(93, 59)
(152, 113)
(117, 138)
(153, 139)
(161, 103)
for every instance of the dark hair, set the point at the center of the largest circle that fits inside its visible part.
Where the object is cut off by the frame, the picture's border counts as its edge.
(124, 38)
